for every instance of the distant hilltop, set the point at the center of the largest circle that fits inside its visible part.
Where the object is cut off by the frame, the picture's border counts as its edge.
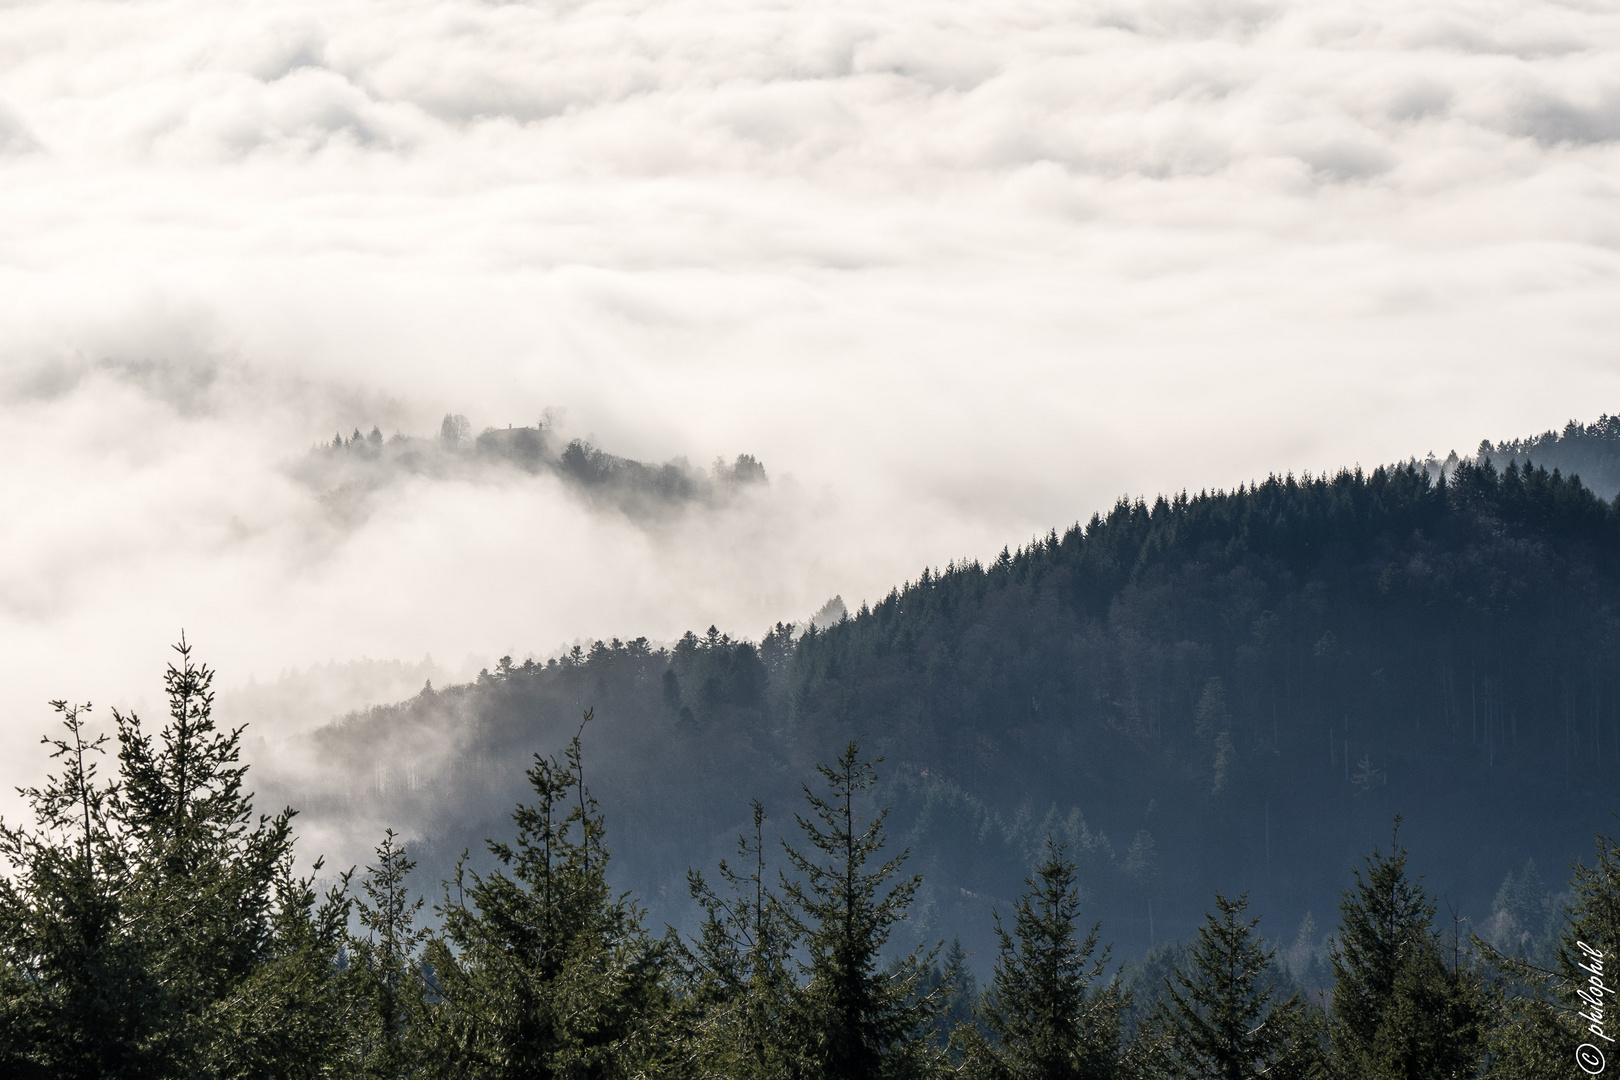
(348, 469)
(1589, 451)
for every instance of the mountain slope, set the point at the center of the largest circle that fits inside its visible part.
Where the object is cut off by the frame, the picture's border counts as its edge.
(1233, 690)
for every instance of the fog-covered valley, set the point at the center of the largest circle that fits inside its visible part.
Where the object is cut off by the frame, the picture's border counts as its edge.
(1004, 385)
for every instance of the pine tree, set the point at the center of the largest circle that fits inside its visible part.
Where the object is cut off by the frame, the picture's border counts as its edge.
(1049, 1017)
(961, 992)
(1385, 919)
(1384, 959)
(386, 1028)
(243, 949)
(743, 985)
(542, 971)
(855, 1020)
(1434, 1026)
(1219, 1022)
(1522, 921)
(74, 996)
(150, 928)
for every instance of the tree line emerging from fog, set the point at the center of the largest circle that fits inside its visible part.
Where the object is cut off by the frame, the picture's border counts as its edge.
(1591, 451)
(153, 925)
(1205, 688)
(349, 467)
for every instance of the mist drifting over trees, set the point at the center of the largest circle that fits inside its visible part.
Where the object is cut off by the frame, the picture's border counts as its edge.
(1228, 694)
(1210, 691)
(844, 297)
(351, 469)
(1590, 451)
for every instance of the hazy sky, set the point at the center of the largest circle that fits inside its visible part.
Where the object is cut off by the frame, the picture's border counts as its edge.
(956, 272)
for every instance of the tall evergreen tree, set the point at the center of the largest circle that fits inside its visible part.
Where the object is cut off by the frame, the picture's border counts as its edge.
(1434, 1026)
(1529, 1037)
(243, 949)
(1399, 1009)
(385, 965)
(743, 983)
(542, 970)
(960, 1004)
(1386, 919)
(150, 927)
(1050, 1018)
(856, 1019)
(74, 996)
(1219, 1022)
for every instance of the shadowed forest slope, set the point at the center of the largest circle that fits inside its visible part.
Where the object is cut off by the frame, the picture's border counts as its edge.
(1235, 690)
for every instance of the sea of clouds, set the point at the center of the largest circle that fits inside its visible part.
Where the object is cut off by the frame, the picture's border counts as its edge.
(956, 272)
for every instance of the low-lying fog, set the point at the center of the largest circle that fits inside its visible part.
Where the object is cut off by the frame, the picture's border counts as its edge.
(954, 274)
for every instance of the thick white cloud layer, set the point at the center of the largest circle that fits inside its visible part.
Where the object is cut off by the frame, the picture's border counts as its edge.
(963, 270)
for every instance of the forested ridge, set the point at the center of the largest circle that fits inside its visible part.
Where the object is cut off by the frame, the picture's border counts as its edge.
(351, 470)
(1170, 721)
(1232, 690)
(1591, 451)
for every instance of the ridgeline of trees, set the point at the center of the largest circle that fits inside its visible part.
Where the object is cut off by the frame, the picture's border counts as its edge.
(1228, 691)
(350, 467)
(1590, 451)
(151, 925)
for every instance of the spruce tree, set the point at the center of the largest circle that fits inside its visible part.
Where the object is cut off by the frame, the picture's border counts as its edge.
(856, 1019)
(150, 927)
(742, 983)
(542, 971)
(1048, 1015)
(1395, 1003)
(385, 967)
(75, 999)
(1386, 918)
(243, 949)
(1218, 1021)
(1529, 1036)
(1434, 1026)
(960, 1004)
